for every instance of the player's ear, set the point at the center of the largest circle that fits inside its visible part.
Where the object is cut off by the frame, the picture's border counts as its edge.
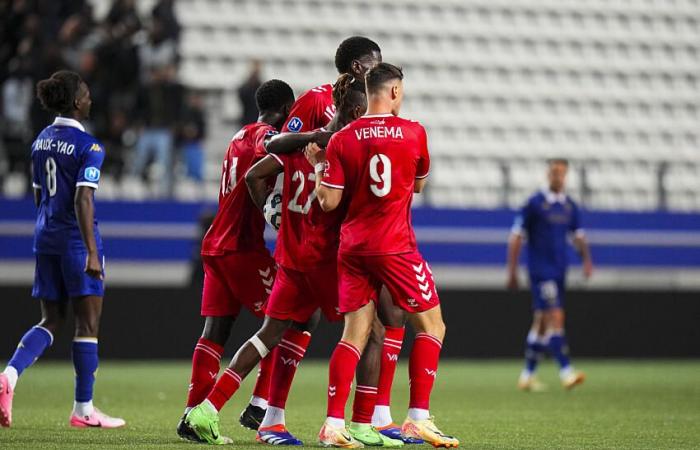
(395, 92)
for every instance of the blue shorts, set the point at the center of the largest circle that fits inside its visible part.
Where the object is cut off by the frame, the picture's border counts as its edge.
(547, 293)
(61, 277)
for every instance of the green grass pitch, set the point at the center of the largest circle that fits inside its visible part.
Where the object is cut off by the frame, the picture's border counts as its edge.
(624, 404)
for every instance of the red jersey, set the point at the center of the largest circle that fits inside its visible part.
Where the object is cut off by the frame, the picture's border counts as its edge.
(376, 160)
(313, 110)
(308, 237)
(239, 225)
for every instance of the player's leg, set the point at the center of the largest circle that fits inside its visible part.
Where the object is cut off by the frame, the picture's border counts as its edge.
(49, 287)
(535, 347)
(394, 320)
(367, 376)
(204, 418)
(342, 366)
(29, 349)
(559, 348)
(87, 311)
(410, 282)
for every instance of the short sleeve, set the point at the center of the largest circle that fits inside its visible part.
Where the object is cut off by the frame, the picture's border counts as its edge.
(575, 225)
(91, 159)
(423, 166)
(261, 140)
(523, 220)
(333, 175)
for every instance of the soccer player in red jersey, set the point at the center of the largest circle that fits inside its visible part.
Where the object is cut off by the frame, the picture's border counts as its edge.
(312, 111)
(377, 163)
(238, 269)
(306, 252)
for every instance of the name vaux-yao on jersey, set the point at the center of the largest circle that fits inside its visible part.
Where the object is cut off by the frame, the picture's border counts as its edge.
(376, 160)
(64, 157)
(239, 225)
(313, 110)
(308, 237)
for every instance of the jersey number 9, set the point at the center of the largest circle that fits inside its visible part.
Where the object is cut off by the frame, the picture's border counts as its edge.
(380, 178)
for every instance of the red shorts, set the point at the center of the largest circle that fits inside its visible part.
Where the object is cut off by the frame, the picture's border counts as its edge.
(296, 295)
(237, 279)
(407, 277)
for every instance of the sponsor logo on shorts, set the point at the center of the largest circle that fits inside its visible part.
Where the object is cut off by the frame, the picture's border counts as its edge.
(412, 302)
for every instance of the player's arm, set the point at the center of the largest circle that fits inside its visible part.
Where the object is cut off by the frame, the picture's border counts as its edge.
(580, 242)
(85, 213)
(328, 196)
(257, 176)
(423, 166)
(515, 244)
(420, 185)
(290, 142)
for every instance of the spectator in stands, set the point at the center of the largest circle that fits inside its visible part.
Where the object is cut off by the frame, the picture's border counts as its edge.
(159, 109)
(246, 94)
(192, 133)
(164, 10)
(158, 51)
(118, 138)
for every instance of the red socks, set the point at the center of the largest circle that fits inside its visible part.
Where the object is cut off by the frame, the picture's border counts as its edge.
(363, 406)
(262, 382)
(225, 387)
(206, 361)
(393, 340)
(422, 369)
(340, 374)
(288, 354)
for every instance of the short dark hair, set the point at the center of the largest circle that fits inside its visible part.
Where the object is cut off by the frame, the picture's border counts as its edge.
(377, 76)
(347, 90)
(272, 95)
(563, 161)
(57, 93)
(353, 48)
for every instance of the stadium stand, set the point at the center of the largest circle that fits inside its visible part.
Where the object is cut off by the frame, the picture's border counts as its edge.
(501, 86)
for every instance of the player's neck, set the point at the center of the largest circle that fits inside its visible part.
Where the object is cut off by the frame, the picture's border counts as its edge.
(270, 119)
(378, 106)
(336, 123)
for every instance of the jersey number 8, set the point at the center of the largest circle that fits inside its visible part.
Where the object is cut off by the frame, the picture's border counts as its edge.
(51, 176)
(380, 178)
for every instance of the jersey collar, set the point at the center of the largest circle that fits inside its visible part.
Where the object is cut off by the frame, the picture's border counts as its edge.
(553, 197)
(67, 122)
(372, 116)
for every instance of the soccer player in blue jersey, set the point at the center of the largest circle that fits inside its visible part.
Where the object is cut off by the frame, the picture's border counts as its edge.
(69, 260)
(548, 219)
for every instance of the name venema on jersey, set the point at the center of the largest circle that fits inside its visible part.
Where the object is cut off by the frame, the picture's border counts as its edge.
(379, 132)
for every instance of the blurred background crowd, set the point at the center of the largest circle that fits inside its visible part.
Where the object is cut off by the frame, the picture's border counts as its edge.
(152, 125)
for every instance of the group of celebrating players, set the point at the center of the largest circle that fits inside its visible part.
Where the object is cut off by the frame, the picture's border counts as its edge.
(342, 168)
(348, 167)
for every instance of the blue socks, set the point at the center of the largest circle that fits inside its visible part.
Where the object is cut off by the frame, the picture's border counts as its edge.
(85, 363)
(534, 349)
(30, 348)
(559, 349)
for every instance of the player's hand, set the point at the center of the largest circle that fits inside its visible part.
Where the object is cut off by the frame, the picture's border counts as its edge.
(588, 269)
(513, 283)
(93, 266)
(314, 154)
(321, 138)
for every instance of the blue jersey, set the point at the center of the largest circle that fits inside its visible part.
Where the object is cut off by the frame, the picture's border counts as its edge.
(64, 157)
(547, 219)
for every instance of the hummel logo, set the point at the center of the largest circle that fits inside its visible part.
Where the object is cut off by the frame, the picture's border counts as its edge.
(392, 357)
(418, 268)
(268, 281)
(421, 278)
(412, 302)
(331, 391)
(430, 372)
(427, 296)
(424, 287)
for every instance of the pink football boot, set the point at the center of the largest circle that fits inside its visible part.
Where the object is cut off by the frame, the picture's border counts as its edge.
(6, 394)
(97, 419)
